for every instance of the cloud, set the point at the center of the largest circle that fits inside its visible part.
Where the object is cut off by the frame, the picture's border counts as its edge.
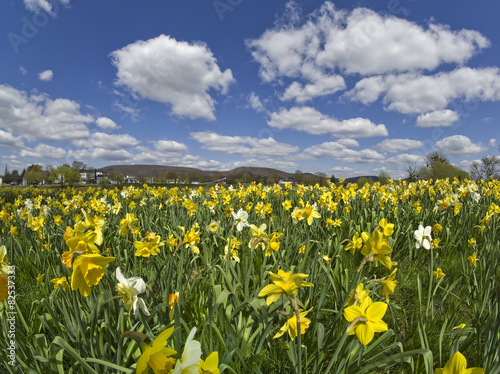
(106, 123)
(169, 146)
(398, 145)
(244, 145)
(459, 145)
(309, 120)
(340, 152)
(7, 140)
(23, 70)
(107, 141)
(255, 103)
(314, 49)
(173, 72)
(111, 155)
(438, 118)
(405, 159)
(38, 117)
(46, 75)
(265, 163)
(39, 5)
(415, 94)
(44, 151)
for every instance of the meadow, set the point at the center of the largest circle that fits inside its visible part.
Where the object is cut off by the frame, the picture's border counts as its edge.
(395, 278)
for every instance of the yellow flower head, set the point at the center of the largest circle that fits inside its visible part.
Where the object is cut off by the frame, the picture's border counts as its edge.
(378, 247)
(88, 271)
(357, 296)
(355, 244)
(157, 355)
(473, 259)
(173, 299)
(127, 224)
(309, 213)
(438, 273)
(457, 364)
(284, 283)
(60, 283)
(389, 284)
(291, 325)
(210, 365)
(366, 319)
(387, 228)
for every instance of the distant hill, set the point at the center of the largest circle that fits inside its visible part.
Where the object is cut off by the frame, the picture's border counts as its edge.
(198, 174)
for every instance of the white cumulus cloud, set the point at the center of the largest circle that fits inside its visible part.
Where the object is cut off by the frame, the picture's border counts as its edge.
(106, 123)
(244, 145)
(46, 75)
(438, 118)
(44, 151)
(310, 120)
(459, 145)
(169, 146)
(398, 145)
(38, 117)
(173, 72)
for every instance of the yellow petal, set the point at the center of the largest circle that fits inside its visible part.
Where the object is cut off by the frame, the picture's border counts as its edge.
(352, 312)
(364, 332)
(456, 364)
(376, 311)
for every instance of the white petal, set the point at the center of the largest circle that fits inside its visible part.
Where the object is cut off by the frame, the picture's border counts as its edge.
(119, 277)
(137, 284)
(138, 302)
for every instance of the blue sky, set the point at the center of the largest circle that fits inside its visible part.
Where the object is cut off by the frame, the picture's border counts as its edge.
(345, 88)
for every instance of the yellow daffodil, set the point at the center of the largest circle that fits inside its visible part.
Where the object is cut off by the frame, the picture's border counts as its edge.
(191, 240)
(60, 283)
(83, 242)
(471, 242)
(147, 248)
(438, 273)
(389, 284)
(39, 278)
(4, 265)
(357, 296)
(157, 356)
(88, 271)
(387, 228)
(291, 325)
(461, 326)
(127, 224)
(213, 226)
(366, 319)
(473, 259)
(355, 244)
(173, 298)
(284, 283)
(309, 213)
(437, 228)
(457, 364)
(210, 365)
(378, 247)
(296, 214)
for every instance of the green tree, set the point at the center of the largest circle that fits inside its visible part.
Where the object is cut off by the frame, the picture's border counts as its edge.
(116, 176)
(273, 178)
(384, 177)
(364, 180)
(299, 176)
(246, 178)
(35, 174)
(65, 174)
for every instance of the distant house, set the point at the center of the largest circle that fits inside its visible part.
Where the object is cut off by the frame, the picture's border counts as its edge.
(86, 176)
(131, 179)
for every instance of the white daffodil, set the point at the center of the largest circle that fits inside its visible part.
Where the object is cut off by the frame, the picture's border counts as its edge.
(128, 289)
(190, 359)
(423, 237)
(240, 219)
